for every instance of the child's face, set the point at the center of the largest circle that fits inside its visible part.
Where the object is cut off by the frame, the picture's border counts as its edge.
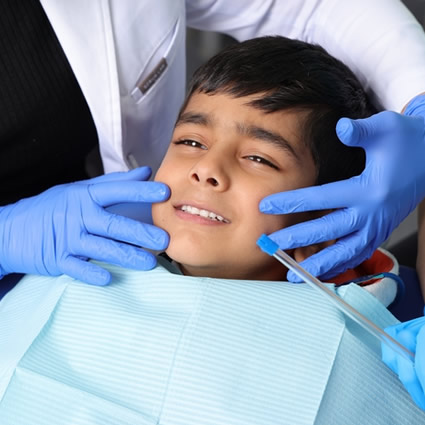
(224, 157)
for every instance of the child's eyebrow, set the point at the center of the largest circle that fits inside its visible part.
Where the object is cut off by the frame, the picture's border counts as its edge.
(268, 136)
(193, 118)
(255, 132)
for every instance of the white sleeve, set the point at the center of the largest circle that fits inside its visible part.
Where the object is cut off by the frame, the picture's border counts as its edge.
(379, 40)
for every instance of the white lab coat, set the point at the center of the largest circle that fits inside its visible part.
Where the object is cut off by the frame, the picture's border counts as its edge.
(114, 45)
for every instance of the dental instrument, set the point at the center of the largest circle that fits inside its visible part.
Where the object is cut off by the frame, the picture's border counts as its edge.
(271, 248)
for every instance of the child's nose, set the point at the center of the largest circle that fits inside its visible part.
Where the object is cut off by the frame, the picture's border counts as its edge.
(210, 172)
(210, 180)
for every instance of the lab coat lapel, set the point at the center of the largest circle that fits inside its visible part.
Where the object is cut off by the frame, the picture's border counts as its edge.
(84, 29)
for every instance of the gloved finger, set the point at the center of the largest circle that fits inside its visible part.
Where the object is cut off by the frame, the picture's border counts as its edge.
(118, 253)
(416, 107)
(355, 132)
(409, 378)
(408, 334)
(405, 333)
(331, 226)
(124, 229)
(334, 259)
(138, 174)
(359, 132)
(362, 253)
(85, 271)
(420, 355)
(334, 195)
(106, 194)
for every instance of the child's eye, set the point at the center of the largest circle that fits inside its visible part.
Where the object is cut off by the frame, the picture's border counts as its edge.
(192, 143)
(261, 160)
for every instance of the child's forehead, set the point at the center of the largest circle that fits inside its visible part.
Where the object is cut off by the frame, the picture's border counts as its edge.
(223, 109)
(227, 107)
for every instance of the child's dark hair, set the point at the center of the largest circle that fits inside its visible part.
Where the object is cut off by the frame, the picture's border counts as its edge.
(291, 74)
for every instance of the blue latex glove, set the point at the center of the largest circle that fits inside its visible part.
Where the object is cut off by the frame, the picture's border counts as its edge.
(412, 335)
(368, 207)
(57, 231)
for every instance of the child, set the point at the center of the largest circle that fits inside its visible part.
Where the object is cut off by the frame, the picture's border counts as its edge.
(216, 337)
(259, 119)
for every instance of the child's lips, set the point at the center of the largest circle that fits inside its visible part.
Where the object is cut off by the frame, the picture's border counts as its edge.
(199, 213)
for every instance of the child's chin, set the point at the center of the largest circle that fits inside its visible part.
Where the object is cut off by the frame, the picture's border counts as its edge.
(189, 249)
(184, 257)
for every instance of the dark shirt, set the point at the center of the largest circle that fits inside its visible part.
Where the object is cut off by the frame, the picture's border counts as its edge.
(46, 128)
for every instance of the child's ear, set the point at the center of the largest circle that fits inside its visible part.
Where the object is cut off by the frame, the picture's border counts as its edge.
(303, 252)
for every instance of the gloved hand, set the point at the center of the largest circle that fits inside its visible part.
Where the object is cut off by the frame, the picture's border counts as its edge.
(412, 335)
(367, 207)
(57, 231)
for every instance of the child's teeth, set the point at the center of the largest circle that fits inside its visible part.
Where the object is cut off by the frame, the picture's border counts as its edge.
(203, 213)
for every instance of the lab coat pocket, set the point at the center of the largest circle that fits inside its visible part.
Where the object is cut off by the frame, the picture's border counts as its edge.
(151, 107)
(157, 64)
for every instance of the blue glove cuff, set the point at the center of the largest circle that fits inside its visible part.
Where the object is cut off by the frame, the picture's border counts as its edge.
(416, 107)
